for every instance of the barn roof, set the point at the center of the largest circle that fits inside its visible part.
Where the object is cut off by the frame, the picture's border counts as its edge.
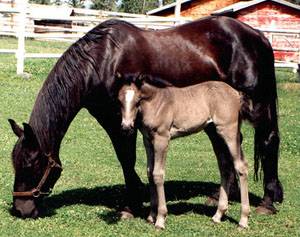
(167, 7)
(242, 5)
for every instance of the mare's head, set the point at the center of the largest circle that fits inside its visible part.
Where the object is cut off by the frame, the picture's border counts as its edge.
(31, 166)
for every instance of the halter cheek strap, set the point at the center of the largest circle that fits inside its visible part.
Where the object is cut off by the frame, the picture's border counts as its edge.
(36, 192)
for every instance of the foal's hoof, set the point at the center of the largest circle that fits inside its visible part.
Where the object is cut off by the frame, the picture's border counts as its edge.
(160, 226)
(126, 214)
(216, 219)
(160, 223)
(243, 227)
(151, 219)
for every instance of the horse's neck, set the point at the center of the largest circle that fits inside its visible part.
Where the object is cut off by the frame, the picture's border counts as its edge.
(51, 117)
(155, 106)
(156, 96)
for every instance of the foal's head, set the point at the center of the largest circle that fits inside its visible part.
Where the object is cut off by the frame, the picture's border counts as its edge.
(129, 96)
(134, 89)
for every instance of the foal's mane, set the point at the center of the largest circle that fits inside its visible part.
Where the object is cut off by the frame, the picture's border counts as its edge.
(71, 79)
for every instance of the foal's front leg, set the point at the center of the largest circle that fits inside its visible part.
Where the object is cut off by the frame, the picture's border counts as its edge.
(160, 145)
(150, 166)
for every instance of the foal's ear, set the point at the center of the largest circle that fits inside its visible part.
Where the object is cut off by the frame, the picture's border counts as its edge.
(16, 128)
(118, 75)
(140, 79)
(29, 136)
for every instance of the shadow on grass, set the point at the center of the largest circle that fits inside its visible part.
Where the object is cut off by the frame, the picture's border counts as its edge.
(113, 197)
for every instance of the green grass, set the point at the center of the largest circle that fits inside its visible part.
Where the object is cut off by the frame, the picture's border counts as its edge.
(91, 189)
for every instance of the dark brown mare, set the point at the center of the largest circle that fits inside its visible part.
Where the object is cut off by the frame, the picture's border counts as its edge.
(214, 48)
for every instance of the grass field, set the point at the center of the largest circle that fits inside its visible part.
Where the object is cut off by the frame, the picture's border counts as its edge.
(91, 189)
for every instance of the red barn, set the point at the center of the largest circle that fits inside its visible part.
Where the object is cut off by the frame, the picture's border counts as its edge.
(278, 19)
(193, 9)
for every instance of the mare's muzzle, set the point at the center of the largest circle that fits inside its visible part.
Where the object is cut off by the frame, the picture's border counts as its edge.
(25, 208)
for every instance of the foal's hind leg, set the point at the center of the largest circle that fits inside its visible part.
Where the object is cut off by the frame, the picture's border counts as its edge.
(223, 155)
(231, 137)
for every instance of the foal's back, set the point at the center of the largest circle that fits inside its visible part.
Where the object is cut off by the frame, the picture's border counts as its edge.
(195, 106)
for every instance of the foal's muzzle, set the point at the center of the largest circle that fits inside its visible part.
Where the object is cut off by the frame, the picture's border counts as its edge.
(127, 127)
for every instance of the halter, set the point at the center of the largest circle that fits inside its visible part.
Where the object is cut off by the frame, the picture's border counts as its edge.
(36, 192)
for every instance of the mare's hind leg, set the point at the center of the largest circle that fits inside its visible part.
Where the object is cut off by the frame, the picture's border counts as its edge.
(231, 136)
(223, 156)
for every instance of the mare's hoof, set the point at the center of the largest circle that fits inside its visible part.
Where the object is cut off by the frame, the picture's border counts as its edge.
(266, 210)
(126, 214)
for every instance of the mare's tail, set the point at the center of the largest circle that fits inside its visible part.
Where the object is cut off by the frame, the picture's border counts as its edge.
(260, 109)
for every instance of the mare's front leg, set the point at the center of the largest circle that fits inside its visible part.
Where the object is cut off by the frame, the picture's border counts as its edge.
(160, 145)
(125, 148)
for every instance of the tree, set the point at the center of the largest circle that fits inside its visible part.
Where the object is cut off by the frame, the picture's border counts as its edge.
(107, 5)
(131, 6)
(58, 2)
(45, 2)
(75, 3)
(141, 6)
(168, 1)
(295, 1)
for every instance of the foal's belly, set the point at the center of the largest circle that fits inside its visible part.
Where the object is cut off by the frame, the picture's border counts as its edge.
(186, 129)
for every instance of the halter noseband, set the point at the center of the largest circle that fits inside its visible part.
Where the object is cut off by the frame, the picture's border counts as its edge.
(36, 192)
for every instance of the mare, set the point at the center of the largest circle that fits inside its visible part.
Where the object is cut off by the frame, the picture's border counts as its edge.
(213, 48)
(170, 112)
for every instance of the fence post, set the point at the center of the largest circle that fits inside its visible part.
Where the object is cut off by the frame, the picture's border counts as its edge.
(22, 6)
(177, 11)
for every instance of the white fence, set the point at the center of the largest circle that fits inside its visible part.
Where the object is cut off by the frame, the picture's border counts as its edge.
(20, 20)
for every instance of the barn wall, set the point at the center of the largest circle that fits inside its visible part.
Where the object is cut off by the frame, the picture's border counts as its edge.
(266, 15)
(204, 8)
(275, 16)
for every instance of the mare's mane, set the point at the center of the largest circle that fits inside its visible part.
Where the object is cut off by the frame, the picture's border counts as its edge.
(70, 80)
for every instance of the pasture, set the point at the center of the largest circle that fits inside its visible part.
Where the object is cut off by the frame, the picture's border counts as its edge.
(86, 198)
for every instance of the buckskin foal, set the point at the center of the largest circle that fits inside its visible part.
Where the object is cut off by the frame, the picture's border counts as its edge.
(170, 112)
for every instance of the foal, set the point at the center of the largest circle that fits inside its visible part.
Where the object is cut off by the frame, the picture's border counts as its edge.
(168, 112)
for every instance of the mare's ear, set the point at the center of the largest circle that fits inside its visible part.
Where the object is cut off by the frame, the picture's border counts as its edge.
(29, 136)
(16, 128)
